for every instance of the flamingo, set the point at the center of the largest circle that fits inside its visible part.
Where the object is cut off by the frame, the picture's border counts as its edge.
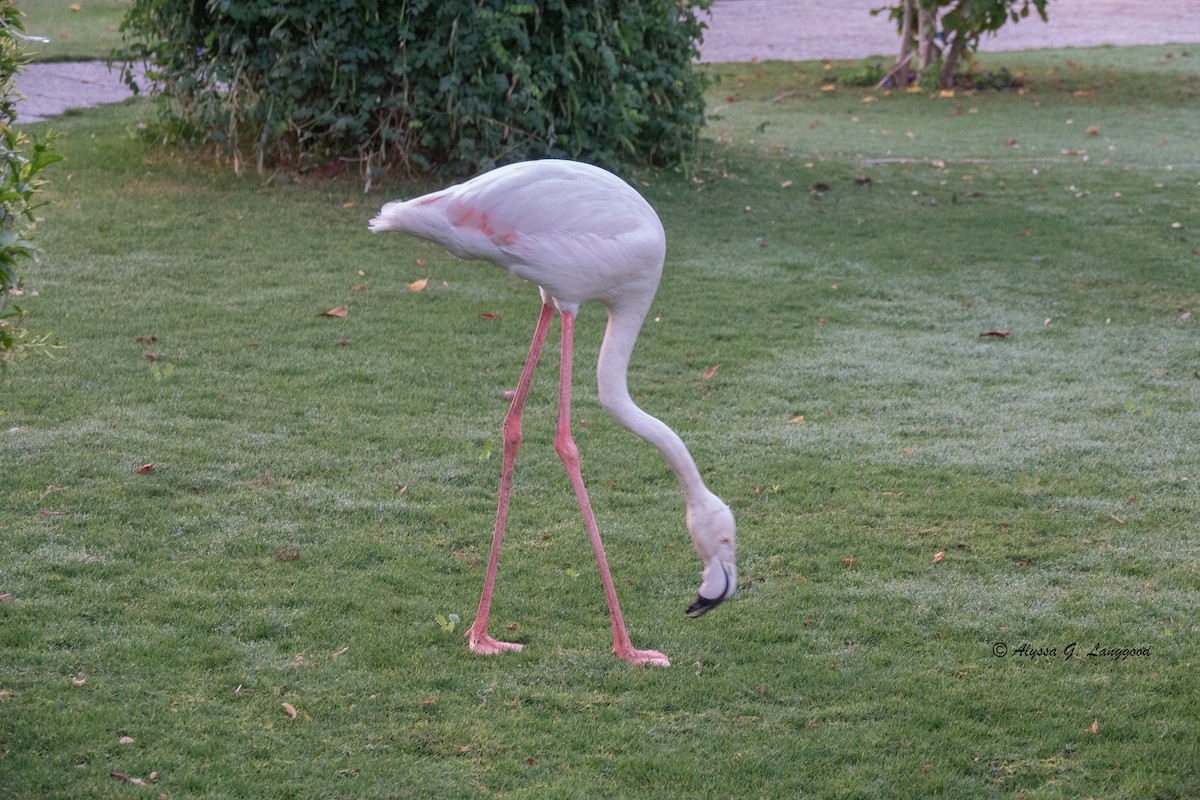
(580, 234)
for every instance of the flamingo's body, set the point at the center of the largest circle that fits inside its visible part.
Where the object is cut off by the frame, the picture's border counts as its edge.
(579, 233)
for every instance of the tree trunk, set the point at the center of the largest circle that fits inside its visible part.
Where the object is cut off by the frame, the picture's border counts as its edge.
(957, 48)
(926, 30)
(902, 70)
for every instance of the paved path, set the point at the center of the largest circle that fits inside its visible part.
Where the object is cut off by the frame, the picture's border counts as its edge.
(741, 30)
(799, 30)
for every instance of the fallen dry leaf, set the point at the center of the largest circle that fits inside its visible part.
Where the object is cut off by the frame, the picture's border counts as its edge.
(1095, 726)
(420, 262)
(995, 333)
(290, 709)
(1118, 519)
(417, 286)
(5, 596)
(340, 311)
(145, 469)
(849, 562)
(488, 315)
(126, 740)
(938, 556)
(358, 288)
(348, 204)
(1185, 316)
(711, 371)
(796, 420)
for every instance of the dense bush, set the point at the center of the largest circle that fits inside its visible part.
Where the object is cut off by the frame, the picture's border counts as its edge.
(449, 84)
(22, 159)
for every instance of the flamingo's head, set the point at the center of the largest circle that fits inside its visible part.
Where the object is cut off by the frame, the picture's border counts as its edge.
(715, 535)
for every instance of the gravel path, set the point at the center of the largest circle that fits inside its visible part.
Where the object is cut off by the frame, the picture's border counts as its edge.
(741, 30)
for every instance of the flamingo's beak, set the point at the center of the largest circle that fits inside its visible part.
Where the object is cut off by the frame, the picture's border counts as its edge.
(719, 584)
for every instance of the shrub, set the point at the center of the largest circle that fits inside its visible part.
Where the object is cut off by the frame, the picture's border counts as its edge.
(22, 159)
(458, 85)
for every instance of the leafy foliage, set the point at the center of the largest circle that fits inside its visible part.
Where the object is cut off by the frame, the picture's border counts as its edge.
(22, 159)
(455, 84)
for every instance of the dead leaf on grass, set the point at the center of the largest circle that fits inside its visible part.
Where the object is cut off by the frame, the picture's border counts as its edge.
(1000, 334)
(711, 371)
(123, 778)
(938, 556)
(291, 710)
(417, 286)
(145, 469)
(340, 311)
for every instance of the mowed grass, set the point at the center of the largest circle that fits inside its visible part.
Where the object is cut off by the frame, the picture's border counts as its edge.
(77, 31)
(323, 488)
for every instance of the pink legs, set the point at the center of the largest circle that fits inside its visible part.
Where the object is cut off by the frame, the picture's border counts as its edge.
(569, 453)
(479, 640)
(564, 444)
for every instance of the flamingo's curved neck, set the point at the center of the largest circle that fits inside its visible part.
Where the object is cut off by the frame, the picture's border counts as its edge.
(611, 376)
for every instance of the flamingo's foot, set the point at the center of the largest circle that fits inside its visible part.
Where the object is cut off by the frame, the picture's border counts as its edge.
(485, 645)
(634, 656)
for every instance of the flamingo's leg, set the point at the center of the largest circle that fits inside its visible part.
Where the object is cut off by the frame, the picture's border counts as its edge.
(480, 641)
(569, 453)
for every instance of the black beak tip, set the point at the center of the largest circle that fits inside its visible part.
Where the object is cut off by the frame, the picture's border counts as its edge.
(702, 606)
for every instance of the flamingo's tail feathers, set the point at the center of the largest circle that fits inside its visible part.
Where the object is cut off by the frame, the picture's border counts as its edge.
(388, 218)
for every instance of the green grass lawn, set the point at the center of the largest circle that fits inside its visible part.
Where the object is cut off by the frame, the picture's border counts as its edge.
(78, 30)
(323, 488)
